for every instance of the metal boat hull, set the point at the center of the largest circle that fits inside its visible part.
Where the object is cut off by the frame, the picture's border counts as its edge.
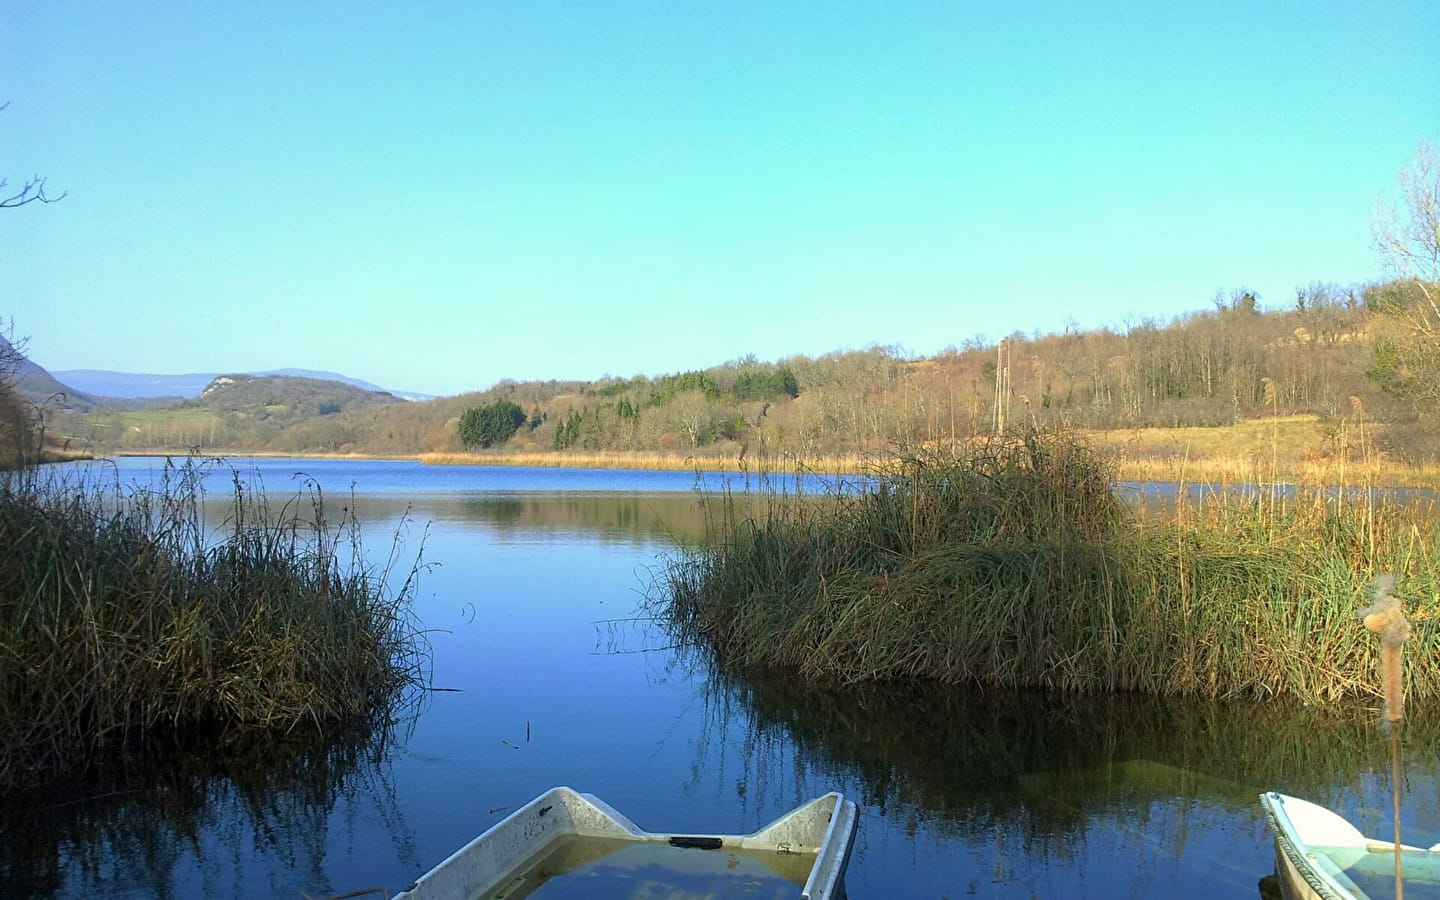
(499, 861)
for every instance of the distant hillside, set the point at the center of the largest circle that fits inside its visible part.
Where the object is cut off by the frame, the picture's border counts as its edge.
(1329, 359)
(233, 412)
(39, 387)
(126, 385)
(284, 397)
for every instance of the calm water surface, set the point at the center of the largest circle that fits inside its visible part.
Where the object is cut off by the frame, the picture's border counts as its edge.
(533, 614)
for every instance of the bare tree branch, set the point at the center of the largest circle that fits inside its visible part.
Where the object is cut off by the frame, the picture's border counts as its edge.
(33, 190)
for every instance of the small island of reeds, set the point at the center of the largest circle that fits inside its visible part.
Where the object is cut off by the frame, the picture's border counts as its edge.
(1012, 562)
(125, 621)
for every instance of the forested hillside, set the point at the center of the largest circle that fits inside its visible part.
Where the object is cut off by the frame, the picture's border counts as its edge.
(237, 411)
(1340, 354)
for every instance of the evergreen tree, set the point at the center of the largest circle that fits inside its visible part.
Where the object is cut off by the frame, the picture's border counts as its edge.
(491, 424)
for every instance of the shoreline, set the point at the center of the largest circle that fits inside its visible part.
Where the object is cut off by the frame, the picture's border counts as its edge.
(1282, 450)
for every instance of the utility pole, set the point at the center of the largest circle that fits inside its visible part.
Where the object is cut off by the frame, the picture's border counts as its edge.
(1002, 384)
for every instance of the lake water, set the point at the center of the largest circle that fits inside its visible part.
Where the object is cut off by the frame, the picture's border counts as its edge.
(551, 678)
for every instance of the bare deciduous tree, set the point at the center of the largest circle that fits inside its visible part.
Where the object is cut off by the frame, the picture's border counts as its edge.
(1408, 238)
(11, 354)
(1407, 235)
(17, 426)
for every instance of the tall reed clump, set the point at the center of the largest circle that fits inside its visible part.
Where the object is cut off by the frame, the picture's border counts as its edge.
(950, 568)
(122, 619)
(1013, 563)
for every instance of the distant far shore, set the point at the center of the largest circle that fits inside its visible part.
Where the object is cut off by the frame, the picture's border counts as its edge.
(1284, 449)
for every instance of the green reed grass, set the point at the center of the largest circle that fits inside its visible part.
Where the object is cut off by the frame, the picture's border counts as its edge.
(1014, 564)
(123, 618)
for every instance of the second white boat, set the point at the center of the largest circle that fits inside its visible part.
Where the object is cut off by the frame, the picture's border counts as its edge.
(1320, 856)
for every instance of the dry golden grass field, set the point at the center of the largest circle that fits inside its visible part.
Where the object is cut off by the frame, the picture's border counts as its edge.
(1292, 449)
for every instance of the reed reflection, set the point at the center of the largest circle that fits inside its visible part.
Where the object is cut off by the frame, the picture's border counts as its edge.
(250, 817)
(1162, 791)
(637, 519)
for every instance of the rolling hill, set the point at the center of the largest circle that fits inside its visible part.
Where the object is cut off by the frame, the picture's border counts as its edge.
(150, 386)
(41, 388)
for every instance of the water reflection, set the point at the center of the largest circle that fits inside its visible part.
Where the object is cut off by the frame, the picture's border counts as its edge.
(1161, 495)
(1034, 790)
(633, 518)
(995, 794)
(625, 506)
(249, 817)
(675, 518)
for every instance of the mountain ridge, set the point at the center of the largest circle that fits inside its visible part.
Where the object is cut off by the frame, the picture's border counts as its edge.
(114, 385)
(39, 386)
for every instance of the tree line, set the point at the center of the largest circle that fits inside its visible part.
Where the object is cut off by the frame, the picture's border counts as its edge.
(1335, 352)
(1368, 352)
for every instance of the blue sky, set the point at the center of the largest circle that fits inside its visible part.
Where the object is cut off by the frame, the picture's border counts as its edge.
(436, 196)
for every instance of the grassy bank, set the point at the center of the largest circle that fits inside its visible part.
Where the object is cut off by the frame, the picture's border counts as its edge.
(122, 619)
(1290, 449)
(1015, 565)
